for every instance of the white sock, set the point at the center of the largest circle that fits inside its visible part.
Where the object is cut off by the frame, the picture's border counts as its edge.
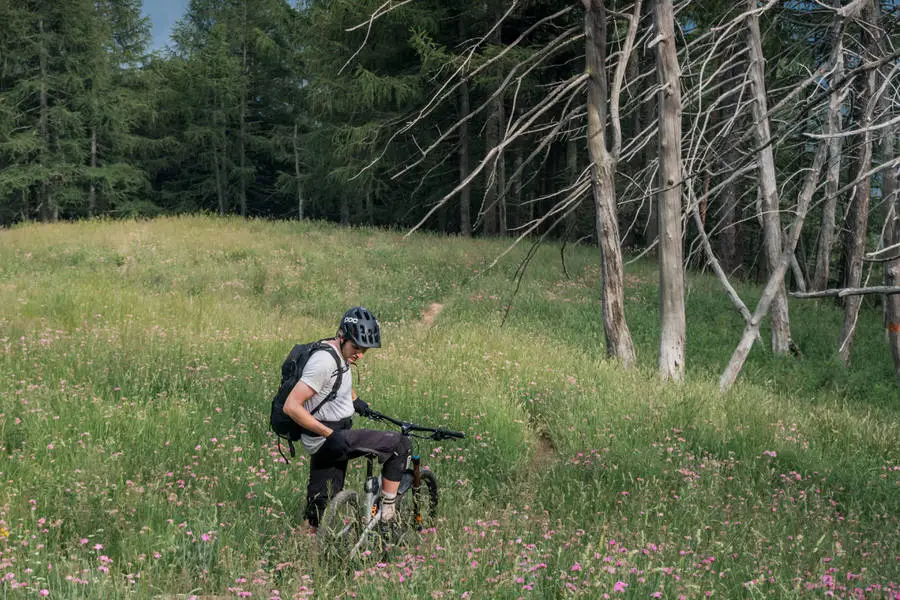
(387, 505)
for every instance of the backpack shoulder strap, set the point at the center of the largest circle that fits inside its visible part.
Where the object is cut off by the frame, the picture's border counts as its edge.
(322, 345)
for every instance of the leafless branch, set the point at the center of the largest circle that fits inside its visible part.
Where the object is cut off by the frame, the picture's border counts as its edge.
(449, 88)
(514, 133)
(874, 127)
(561, 41)
(380, 11)
(844, 292)
(619, 76)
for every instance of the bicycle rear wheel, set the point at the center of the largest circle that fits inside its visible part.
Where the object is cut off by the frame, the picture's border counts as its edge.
(341, 526)
(417, 509)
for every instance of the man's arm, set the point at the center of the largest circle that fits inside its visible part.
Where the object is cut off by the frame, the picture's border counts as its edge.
(293, 407)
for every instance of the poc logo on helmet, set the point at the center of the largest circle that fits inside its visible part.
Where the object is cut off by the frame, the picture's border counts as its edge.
(351, 320)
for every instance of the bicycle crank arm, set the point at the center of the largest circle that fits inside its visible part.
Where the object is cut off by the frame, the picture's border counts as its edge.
(369, 527)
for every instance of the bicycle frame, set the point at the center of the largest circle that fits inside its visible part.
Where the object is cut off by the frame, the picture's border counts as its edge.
(371, 501)
(410, 480)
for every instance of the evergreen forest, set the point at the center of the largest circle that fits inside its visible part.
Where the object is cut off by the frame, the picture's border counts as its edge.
(745, 129)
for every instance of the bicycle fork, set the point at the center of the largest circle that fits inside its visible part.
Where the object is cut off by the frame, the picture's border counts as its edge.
(417, 481)
(372, 489)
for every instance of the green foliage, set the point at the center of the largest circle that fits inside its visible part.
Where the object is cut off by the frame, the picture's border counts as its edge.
(138, 359)
(68, 107)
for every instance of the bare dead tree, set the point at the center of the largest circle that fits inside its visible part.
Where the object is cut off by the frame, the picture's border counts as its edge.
(776, 277)
(891, 195)
(603, 102)
(858, 217)
(768, 192)
(892, 274)
(673, 323)
(832, 180)
(716, 152)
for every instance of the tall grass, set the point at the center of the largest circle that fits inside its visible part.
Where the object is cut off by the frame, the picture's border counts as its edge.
(138, 360)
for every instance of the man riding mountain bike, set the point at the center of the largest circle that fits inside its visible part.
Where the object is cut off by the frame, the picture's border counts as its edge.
(328, 436)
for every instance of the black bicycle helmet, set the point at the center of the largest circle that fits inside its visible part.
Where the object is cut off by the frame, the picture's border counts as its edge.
(360, 327)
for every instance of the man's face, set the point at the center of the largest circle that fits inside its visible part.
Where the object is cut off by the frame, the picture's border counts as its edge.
(351, 351)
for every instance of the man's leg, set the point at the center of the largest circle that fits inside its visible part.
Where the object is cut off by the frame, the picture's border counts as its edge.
(327, 471)
(393, 451)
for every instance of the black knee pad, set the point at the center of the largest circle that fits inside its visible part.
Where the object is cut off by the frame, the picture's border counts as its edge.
(394, 466)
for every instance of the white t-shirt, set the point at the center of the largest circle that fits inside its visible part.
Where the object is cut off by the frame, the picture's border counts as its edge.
(319, 374)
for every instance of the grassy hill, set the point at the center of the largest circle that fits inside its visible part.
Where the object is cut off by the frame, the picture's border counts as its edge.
(138, 359)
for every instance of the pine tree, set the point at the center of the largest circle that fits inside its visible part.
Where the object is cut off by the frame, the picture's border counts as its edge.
(359, 84)
(113, 102)
(66, 119)
(44, 72)
(221, 102)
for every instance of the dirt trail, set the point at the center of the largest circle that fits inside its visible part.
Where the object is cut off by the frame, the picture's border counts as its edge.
(545, 452)
(431, 313)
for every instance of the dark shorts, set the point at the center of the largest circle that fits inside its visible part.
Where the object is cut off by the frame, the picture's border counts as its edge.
(328, 466)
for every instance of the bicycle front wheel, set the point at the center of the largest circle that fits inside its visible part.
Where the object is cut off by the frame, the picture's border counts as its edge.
(341, 526)
(417, 509)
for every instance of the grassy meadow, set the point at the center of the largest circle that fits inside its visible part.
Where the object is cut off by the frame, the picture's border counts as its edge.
(138, 360)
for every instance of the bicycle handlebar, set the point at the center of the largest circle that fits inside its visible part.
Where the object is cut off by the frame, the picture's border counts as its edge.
(408, 429)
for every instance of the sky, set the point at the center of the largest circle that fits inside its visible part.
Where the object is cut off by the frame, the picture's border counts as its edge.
(163, 14)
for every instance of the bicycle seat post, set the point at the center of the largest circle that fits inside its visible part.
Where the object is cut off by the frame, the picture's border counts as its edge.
(371, 483)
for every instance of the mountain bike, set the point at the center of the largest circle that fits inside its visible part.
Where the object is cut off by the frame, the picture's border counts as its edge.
(352, 527)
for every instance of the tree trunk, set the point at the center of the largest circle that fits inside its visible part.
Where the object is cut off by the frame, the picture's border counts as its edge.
(370, 204)
(242, 193)
(781, 329)
(92, 189)
(799, 275)
(729, 241)
(618, 337)
(892, 272)
(603, 167)
(220, 191)
(242, 115)
(489, 201)
(671, 275)
(571, 177)
(516, 184)
(221, 156)
(891, 196)
(833, 174)
(858, 216)
(502, 223)
(297, 174)
(44, 200)
(648, 111)
(465, 195)
(490, 209)
(776, 277)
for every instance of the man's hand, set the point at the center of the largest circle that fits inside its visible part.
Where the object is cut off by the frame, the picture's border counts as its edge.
(361, 407)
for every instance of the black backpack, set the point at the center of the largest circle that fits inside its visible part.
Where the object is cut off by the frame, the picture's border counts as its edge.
(291, 372)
